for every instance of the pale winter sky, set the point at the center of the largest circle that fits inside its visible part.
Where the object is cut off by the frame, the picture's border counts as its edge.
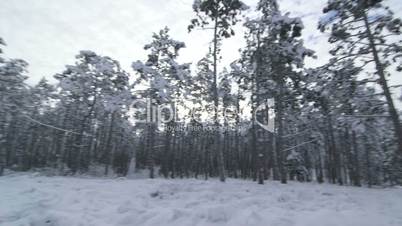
(48, 34)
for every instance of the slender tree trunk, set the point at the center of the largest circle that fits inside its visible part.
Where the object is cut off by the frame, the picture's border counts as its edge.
(221, 161)
(108, 144)
(260, 168)
(60, 153)
(166, 153)
(383, 82)
(254, 157)
(368, 161)
(3, 133)
(336, 165)
(356, 164)
(279, 138)
(319, 171)
(237, 138)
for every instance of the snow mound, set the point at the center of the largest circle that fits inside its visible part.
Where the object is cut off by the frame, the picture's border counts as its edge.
(28, 200)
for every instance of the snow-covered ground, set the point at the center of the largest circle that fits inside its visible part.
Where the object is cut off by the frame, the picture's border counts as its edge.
(33, 200)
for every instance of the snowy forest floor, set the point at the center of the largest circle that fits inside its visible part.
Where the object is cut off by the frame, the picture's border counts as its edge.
(33, 200)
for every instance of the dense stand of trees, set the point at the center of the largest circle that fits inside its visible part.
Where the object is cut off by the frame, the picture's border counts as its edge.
(332, 123)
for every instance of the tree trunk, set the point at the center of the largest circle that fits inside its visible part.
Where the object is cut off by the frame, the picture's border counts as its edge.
(221, 160)
(368, 161)
(108, 145)
(260, 166)
(383, 82)
(279, 138)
